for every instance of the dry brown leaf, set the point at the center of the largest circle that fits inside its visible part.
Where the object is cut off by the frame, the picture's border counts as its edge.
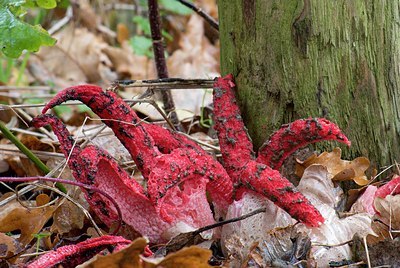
(8, 246)
(75, 58)
(122, 33)
(128, 257)
(33, 143)
(196, 58)
(13, 216)
(383, 254)
(340, 170)
(42, 199)
(67, 217)
(188, 257)
(84, 11)
(127, 64)
(389, 210)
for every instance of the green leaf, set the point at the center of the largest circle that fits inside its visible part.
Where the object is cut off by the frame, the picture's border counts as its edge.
(143, 23)
(142, 45)
(175, 7)
(17, 35)
(47, 4)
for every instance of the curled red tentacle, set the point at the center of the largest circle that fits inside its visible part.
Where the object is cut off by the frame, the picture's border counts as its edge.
(67, 147)
(271, 184)
(116, 114)
(295, 135)
(73, 255)
(235, 143)
(238, 156)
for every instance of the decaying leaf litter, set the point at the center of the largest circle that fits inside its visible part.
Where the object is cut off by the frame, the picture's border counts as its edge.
(264, 240)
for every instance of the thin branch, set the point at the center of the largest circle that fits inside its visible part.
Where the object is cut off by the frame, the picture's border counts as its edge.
(218, 224)
(161, 65)
(201, 13)
(166, 83)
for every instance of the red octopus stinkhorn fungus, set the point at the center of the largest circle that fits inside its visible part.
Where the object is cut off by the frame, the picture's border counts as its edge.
(179, 172)
(177, 180)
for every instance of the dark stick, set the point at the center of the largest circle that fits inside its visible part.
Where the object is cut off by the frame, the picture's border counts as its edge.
(218, 224)
(161, 66)
(201, 13)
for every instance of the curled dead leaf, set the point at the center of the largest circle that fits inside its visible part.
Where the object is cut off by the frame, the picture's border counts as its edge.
(340, 170)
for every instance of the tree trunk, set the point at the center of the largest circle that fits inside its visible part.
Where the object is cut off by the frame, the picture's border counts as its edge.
(335, 59)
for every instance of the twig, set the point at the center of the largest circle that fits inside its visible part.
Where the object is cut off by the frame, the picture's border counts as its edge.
(366, 251)
(332, 245)
(167, 83)
(161, 65)
(212, 226)
(201, 13)
(14, 88)
(56, 27)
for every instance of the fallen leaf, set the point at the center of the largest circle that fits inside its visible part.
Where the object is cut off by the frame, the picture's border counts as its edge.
(389, 210)
(67, 217)
(13, 216)
(128, 257)
(188, 257)
(382, 254)
(340, 170)
(122, 33)
(8, 246)
(317, 186)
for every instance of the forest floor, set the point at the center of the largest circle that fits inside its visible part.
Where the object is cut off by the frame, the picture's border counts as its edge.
(105, 41)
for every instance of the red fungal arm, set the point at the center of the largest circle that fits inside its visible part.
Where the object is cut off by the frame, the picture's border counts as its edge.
(136, 208)
(167, 140)
(107, 105)
(119, 117)
(235, 143)
(271, 184)
(296, 135)
(239, 161)
(73, 255)
(390, 188)
(65, 138)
